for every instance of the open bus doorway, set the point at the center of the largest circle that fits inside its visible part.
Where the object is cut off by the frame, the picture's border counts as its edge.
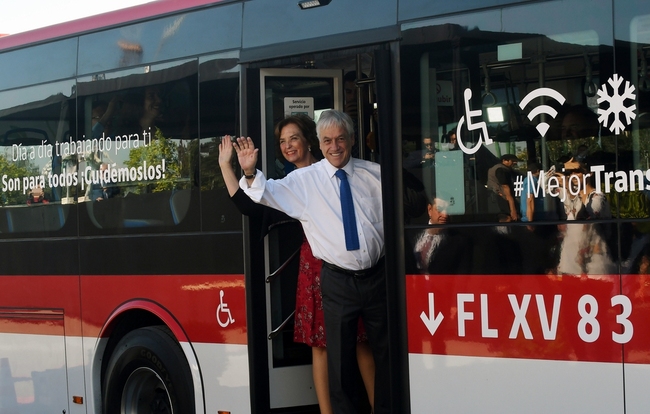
(307, 86)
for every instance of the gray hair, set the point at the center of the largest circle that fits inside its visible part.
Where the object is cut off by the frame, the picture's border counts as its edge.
(334, 118)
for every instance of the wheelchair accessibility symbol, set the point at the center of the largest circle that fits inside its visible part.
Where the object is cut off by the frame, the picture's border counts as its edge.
(224, 317)
(472, 126)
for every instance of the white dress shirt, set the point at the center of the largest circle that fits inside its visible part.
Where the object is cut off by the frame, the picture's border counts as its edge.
(311, 195)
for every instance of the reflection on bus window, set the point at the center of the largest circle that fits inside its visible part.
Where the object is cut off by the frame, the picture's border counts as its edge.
(136, 148)
(37, 175)
(489, 102)
(577, 130)
(219, 90)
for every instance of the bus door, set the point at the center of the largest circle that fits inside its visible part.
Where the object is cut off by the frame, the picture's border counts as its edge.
(274, 94)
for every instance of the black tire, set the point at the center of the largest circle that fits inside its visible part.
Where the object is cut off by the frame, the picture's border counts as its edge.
(148, 373)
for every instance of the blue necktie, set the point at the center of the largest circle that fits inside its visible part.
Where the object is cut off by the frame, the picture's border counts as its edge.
(347, 208)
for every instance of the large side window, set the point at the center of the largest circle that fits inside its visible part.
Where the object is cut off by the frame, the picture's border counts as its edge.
(137, 149)
(37, 172)
(501, 125)
(219, 86)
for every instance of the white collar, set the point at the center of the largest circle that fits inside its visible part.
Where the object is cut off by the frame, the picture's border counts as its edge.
(331, 170)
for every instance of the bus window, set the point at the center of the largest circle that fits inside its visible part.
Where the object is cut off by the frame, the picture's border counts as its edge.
(219, 106)
(503, 127)
(138, 132)
(37, 170)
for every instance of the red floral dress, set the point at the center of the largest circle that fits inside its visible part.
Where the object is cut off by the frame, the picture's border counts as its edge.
(309, 320)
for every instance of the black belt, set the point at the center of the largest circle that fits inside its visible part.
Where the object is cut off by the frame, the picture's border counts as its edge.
(359, 274)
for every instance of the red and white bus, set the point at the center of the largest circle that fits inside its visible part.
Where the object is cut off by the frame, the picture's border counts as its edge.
(129, 282)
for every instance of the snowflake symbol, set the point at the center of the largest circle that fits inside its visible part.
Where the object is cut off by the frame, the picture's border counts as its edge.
(616, 104)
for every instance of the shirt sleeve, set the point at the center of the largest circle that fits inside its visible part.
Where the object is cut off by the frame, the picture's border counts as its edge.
(285, 195)
(256, 188)
(502, 176)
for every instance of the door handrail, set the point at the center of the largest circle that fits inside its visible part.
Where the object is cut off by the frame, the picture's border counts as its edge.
(279, 270)
(279, 329)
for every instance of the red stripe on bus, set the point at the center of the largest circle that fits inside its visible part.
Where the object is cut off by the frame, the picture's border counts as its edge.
(191, 301)
(32, 321)
(29, 302)
(572, 318)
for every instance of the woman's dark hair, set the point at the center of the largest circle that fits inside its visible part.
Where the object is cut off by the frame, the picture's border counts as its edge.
(308, 128)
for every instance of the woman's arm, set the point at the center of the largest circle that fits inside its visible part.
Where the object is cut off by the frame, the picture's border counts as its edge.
(244, 204)
(225, 163)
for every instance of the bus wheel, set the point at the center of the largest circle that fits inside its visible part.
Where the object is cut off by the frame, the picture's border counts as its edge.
(148, 373)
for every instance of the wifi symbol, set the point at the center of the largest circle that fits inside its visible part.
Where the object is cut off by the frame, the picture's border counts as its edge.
(542, 127)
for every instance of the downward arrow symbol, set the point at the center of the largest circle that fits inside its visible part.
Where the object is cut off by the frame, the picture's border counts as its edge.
(432, 323)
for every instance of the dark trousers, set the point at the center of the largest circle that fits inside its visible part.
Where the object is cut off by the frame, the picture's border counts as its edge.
(345, 299)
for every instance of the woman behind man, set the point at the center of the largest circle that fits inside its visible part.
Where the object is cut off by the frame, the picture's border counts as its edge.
(297, 141)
